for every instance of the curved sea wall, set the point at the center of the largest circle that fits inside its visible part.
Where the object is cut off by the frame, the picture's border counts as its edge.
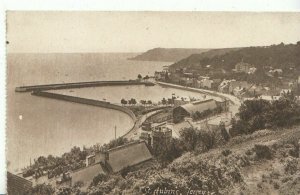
(86, 101)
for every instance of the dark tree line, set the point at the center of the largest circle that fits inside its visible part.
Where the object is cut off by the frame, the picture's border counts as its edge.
(259, 114)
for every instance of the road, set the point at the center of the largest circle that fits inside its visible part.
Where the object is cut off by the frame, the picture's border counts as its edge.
(135, 131)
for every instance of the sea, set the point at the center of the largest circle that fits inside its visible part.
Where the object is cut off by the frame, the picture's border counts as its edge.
(37, 126)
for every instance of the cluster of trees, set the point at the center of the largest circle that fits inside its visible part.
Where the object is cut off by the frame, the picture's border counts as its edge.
(114, 143)
(54, 166)
(201, 115)
(146, 102)
(168, 101)
(132, 101)
(259, 114)
(190, 140)
(140, 77)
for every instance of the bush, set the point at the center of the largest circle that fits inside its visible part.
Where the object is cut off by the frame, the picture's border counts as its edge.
(41, 189)
(291, 166)
(197, 140)
(263, 152)
(226, 152)
(99, 178)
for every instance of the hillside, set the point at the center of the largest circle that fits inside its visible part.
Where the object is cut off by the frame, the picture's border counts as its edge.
(265, 162)
(277, 56)
(195, 59)
(167, 54)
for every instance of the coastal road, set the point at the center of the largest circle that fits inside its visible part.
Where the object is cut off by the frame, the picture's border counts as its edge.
(135, 131)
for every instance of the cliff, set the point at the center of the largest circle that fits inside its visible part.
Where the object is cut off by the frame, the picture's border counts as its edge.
(167, 54)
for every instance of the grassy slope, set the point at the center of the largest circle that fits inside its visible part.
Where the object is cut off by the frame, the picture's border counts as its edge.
(243, 170)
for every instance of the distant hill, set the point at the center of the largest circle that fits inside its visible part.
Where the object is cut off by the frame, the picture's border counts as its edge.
(278, 56)
(167, 54)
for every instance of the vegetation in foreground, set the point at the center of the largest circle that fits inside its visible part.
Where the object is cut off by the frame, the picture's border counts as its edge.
(252, 162)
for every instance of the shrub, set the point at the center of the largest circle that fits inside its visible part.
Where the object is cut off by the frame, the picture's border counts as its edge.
(263, 152)
(99, 178)
(226, 152)
(41, 189)
(291, 166)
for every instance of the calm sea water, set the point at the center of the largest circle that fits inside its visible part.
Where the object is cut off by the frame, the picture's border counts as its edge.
(41, 126)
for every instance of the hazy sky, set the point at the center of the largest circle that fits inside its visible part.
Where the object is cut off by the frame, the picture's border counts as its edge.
(140, 31)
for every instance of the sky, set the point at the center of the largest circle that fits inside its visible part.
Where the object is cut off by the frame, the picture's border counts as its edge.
(78, 31)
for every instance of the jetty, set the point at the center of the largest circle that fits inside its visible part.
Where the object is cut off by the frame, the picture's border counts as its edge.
(81, 85)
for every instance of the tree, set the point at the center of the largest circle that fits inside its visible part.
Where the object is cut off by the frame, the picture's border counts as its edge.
(133, 101)
(149, 102)
(164, 101)
(140, 76)
(146, 77)
(123, 101)
(189, 136)
(143, 102)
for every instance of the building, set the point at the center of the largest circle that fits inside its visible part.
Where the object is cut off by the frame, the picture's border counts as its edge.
(187, 110)
(17, 185)
(224, 86)
(160, 76)
(187, 79)
(269, 97)
(252, 70)
(238, 86)
(206, 83)
(161, 137)
(243, 67)
(112, 161)
(276, 71)
(130, 154)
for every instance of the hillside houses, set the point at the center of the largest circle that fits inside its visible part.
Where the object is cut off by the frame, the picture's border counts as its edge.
(244, 67)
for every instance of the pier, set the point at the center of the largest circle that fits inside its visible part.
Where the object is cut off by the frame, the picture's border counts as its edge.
(80, 85)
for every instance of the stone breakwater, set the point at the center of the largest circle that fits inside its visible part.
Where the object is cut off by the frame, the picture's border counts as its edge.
(80, 85)
(85, 101)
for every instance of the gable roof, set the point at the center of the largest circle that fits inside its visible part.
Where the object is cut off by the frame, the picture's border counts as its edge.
(199, 106)
(128, 155)
(17, 184)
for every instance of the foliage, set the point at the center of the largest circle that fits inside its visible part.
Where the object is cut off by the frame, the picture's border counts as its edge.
(196, 140)
(279, 56)
(169, 151)
(259, 114)
(99, 178)
(263, 152)
(41, 189)
(115, 143)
